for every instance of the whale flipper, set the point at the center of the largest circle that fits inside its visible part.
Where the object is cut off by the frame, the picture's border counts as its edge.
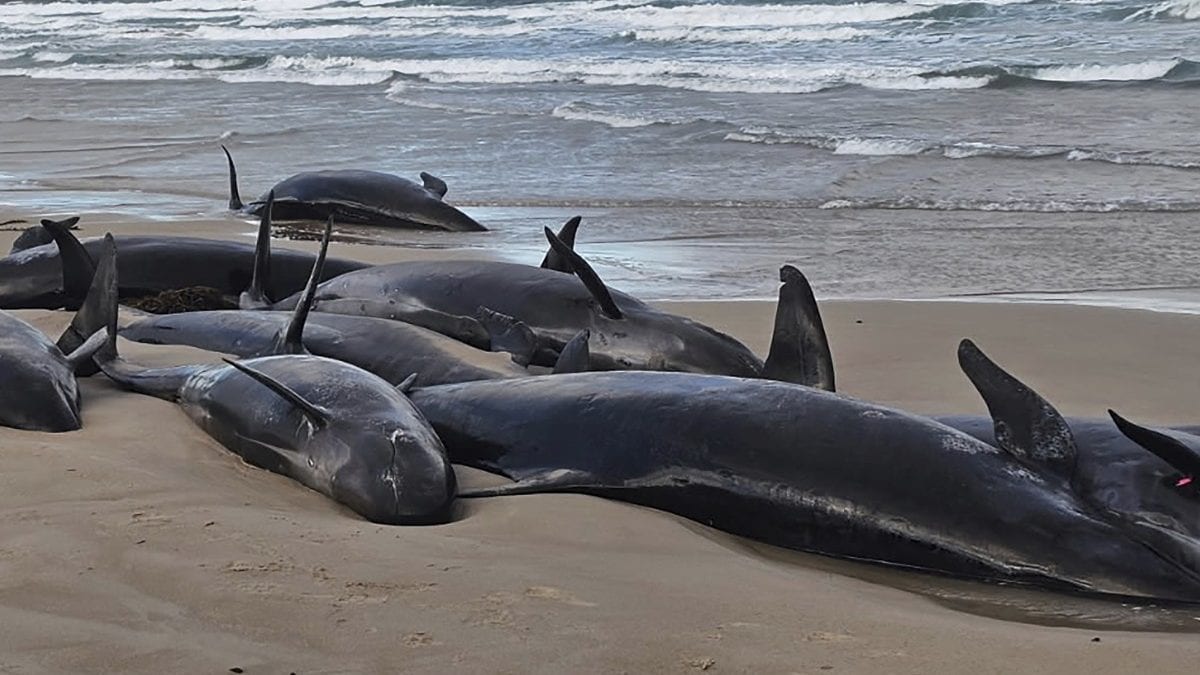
(587, 275)
(255, 297)
(434, 184)
(317, 415)
(1026, 425)
(235, 199)
(291, 339)
(508, 335)
(557, 480)
(555, 261)
(1179, 449)
(407, 384)
(799, 347)
(575, 357)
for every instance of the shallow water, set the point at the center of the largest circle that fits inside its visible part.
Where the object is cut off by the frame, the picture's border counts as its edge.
(889, 149)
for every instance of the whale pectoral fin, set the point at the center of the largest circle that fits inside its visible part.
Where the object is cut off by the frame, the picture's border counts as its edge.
(575, 357)
(406, 385)
(1179, 449)
(255, 297)
(586, 274)
(554, 261)
(78, 268)
(799, 347)
(558, 480)
(291, 338)
(1026, 425)
(434, 184)
(317, 415)
(508, 335)
(272, 457)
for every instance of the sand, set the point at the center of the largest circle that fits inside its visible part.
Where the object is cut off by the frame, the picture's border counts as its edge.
(138, 544)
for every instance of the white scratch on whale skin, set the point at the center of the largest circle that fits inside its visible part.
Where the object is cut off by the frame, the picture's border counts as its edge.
(961, 443)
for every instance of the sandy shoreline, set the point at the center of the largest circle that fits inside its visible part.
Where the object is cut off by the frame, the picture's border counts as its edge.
(139, 545)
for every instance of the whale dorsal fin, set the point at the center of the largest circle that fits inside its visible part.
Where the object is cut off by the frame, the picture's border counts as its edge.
(434, 184)
(508, 335)
(554, 261)
(407, 384)
(799, 348)
(315, 413)
(1179, 449)
(77, 266)
(575, 357)
(291, 338)
(1026, 425)
(93, 313)
(235, 199)
(587, 275)
(256, 296)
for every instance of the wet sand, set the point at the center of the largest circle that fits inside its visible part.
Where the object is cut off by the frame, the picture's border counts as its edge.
(138, 544)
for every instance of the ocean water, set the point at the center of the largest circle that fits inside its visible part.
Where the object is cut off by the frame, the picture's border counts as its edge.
(889, 149)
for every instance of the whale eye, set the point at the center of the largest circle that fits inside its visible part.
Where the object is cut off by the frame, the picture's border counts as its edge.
(311, 462)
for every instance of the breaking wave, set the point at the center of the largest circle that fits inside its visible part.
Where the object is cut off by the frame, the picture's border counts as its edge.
(887, 146)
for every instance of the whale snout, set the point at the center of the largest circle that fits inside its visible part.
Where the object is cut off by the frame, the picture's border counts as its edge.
(416, 487)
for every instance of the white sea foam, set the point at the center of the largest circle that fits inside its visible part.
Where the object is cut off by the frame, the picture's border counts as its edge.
(1131, 72)
(53, 57)
(252, 34)
(216, 64)
(1015, 205)
(581, 111)
(1186, 10)
(746, 35)
(879, 147)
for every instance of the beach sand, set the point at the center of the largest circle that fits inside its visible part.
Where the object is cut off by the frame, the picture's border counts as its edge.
(139, 544)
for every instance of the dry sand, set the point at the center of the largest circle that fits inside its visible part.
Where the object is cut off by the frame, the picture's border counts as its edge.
(140, 545)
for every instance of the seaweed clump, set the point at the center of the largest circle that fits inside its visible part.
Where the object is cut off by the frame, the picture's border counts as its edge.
(175, 301)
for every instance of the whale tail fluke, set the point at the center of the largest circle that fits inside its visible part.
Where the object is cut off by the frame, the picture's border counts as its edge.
(507, 334)
(161, 382)
(40, 235)
(255, 297)
(291, 338)
(799, 350)
(78, 268)
(235, 198)
(92, 315)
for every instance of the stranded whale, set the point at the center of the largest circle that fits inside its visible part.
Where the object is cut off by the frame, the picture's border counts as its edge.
(360, 197)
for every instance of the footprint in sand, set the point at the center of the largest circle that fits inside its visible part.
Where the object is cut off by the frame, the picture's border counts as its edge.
(418, 639)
